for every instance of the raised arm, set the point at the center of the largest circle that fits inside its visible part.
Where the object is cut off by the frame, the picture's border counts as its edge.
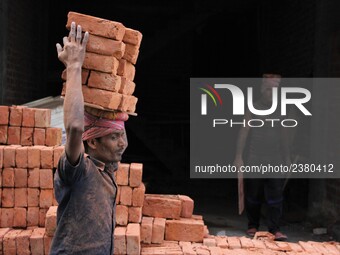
(72, 55)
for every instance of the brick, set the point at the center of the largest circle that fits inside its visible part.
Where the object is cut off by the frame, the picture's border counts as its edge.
(126, 195)
(8, 177)
(42, 118)
(101, 63)
(20, 177)
(37, 241)
(146, 230)
(215, 251)
(1, 159)
(259, 244)
(131, 53)
(3, 134)
(54, 202)
(33, 154)
(126, 103)
(330, 248)
(97, 26)
(307, 247)
(51, 220)
(84, 75)
(136, 172)
(28, 117)
(184, 230)
(123, 174)
(158, 230)
(9, 156)
(47, 244)
(26, 136)
(53, 136)
(3, 232)
(209, 242)
(33, 180)
(42, 216)
(118, 194)
(14, 135)
(7, 197)
(15, 116)
(32, 216)
(135, 214)
(122, 215)
(206, 231)
(133, 37)
(127, 87)
(46, 157)
(57, 152)
(33, 196)
(46, 178)
(9, 244)
(23, 242)
(234, 242)
(133, 238)
(187, 249)
(138, 195)
(39, 135)
(105, 81)
(187, 206)
(120, 240)
(20, 197)
(19, 220)
(162, 206)
(7, 216)
(21, 157)
(132, 104)
(4, 115)
(46, 198)
(126, 69)
(105, 46)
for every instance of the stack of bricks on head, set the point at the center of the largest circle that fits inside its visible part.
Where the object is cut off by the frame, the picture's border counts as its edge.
(108, 69)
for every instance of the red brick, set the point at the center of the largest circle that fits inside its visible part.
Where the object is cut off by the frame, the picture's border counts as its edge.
(101, 63)
(3, 232)
(187, 248)
(28, 116)
(46, 157)
(9, 156)
(133, 238)
(7, 216)
(123, 174)
(126, 103)
(9, 244)
(53, 136)
(120, 240)
(122, 215)
(46, 198)
(105, 81)
(42, 216)
(1, 158)
(131, 53)
(187, 206)
(39, 136)
(21, 157)
(51, 220)
(209, 242)
(8, 177)
(118, 194)
(127, 87)
(162, 206)
(23, 242)
(158, 230)
(15, 116)
(57, 152)
(7, 197)
(32, 216)
(33, 197)
(54, 202)
(126, 195)
(33, 153)
(3, 134)
(46, 179)
(14, 135)
(20, 197)
(135, 214)
(234, 242)
(246, 243)
(19, 220)
(138, 195)
(84, 75)
(33, 180)
(126, 69)
(259, 244)
(146, 230)
(106, 99)
(132, 36)
(37, 241)
(4, 115)
(132, 104)
(42, 118)
(184, 230)
(105, 46)
(47, 244)
(136, 172)
(20, 177)
(26, 136)
(97, 26)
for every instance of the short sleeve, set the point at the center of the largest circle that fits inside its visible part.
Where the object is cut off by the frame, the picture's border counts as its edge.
(69, 173)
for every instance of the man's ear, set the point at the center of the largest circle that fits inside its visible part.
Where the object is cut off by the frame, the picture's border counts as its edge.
(92, 143)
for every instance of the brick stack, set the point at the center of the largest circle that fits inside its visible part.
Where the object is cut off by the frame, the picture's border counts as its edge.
(108, 69)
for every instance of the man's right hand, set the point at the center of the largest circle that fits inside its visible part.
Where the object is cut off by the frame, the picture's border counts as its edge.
(73, 52)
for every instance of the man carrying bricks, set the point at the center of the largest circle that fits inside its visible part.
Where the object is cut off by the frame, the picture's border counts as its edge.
(85, 187)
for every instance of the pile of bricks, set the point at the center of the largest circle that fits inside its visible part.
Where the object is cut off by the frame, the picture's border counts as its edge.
(108, 69)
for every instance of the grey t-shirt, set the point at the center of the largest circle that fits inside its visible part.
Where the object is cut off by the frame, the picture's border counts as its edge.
(86, 194)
